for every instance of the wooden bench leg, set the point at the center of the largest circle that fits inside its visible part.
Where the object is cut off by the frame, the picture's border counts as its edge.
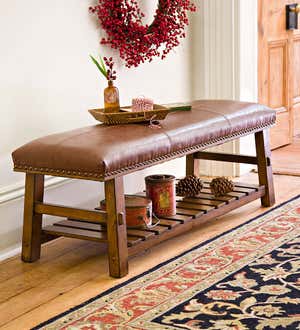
(116, 228)
(192, 165)
(265, 173)
(32, 228)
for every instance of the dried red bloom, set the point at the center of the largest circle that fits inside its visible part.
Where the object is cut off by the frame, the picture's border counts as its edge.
(137, 43)
(111, 74)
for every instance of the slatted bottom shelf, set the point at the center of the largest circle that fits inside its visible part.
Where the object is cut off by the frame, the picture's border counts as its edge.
(190, 212)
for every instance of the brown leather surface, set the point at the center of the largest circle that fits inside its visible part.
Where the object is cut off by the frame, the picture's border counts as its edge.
(100, 152)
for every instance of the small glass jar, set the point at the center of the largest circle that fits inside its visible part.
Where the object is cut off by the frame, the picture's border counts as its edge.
(111, 98)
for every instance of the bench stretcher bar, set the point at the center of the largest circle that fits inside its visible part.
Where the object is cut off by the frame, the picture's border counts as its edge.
(230, 158)
(99, 217)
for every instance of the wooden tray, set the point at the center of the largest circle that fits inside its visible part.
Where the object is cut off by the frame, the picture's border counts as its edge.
(125, 116)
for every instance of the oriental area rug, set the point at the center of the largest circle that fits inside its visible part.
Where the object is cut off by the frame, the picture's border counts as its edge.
(247, 278)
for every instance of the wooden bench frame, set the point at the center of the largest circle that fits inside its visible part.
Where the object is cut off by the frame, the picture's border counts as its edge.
(114, 217)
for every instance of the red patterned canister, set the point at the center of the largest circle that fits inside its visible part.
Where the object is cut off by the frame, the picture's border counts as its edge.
(161, 190)
(138, 211)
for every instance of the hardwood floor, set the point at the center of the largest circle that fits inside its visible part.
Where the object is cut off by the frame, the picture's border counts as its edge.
(286, 160)
(72, 271)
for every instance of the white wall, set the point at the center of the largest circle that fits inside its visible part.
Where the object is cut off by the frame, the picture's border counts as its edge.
(224, 63)
(47, 83)
(215, 58)
(248, 67)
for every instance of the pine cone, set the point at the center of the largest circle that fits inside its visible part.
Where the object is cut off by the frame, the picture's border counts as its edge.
(190, 186)
(221, 186)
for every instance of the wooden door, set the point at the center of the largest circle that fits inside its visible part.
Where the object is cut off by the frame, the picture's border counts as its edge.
(279, 69)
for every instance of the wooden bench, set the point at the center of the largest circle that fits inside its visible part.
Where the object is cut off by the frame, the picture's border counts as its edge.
(107, 153)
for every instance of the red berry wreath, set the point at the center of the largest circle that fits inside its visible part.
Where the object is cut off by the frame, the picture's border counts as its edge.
(137, 43)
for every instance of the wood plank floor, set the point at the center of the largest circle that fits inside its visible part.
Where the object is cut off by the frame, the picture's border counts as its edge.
(72, 271)
(286, 160)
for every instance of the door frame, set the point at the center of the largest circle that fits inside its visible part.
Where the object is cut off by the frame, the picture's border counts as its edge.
(264, 46)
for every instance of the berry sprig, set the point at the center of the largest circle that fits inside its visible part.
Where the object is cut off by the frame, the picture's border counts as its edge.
(137, 43)
(106, 67)
(111, 73)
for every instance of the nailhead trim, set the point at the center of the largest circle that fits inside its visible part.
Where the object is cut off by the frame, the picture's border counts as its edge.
(92, 175)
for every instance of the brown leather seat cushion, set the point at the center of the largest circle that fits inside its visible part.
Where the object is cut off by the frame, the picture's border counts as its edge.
(101, 152)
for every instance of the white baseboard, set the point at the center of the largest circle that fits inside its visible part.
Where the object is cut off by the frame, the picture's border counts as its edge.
(10, 252)
(16, 190)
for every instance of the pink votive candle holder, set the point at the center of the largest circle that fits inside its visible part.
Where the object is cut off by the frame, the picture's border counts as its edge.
(142, 104)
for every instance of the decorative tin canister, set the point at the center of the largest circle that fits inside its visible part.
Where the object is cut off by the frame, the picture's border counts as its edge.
(138, 211)
(161, 190)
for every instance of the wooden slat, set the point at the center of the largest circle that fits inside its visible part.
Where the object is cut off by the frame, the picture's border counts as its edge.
(135, 232)
(81, 225)
(231, 194)
(193, 206)
(67, 229)
(210, 196)
(139, 233)
(202, 201)
(244, 190)
(193, 213)
(69, 212)
(76, 233)
(157, 230)
(247, 185)
(179, 217)
(169, 223)
(133, 240)
(237, 194)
